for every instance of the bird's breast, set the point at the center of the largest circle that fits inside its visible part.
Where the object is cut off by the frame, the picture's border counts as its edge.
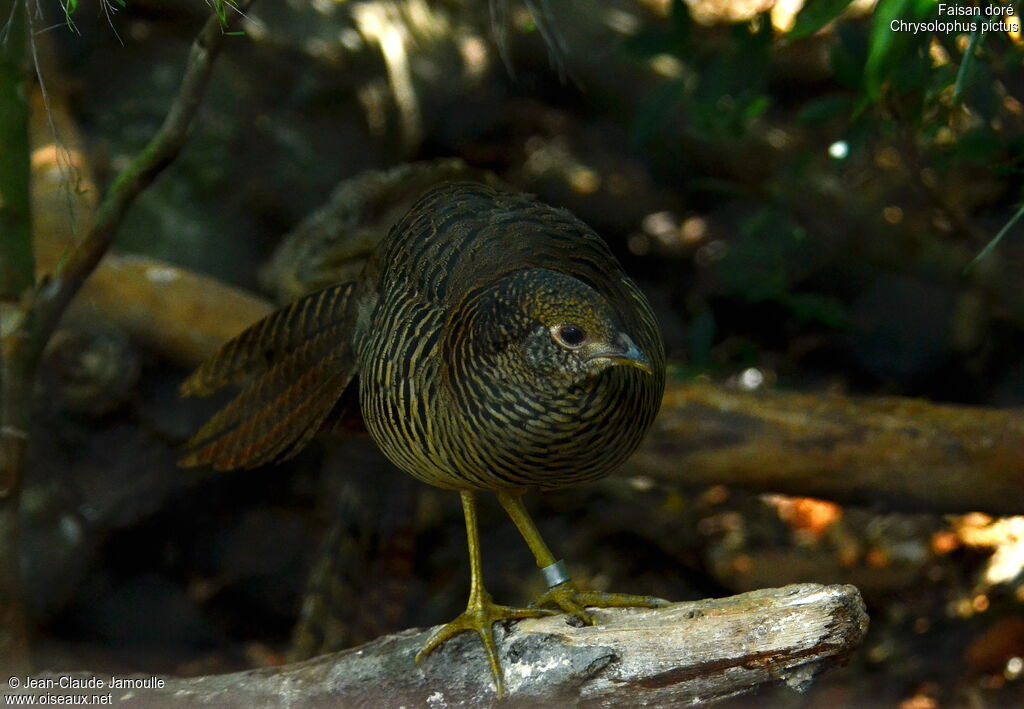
(495, 432)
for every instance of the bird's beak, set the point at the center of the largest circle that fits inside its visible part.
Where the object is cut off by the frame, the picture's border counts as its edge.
(624, 351)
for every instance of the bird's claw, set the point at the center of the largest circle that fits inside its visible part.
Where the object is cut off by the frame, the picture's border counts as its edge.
(574, 601)
(480, 615)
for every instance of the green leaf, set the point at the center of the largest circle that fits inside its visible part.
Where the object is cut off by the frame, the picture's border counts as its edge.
(849, 55)
(977, 37)
(814, 15)
(220, 8)
(755, 107)
(886, 46)
(990, 247)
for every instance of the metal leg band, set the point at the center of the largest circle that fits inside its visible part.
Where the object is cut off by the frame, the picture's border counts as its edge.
(556, 573)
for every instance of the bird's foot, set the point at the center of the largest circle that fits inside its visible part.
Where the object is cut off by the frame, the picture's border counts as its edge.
(480, 615)
(574, 601)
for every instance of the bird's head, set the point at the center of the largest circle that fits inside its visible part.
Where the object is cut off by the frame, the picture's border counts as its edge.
(558, 328)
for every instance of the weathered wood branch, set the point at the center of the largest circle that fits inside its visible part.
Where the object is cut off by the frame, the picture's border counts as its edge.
(897, 452)
(682, 655)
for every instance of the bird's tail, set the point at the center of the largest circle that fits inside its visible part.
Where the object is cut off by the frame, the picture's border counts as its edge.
(298, 360)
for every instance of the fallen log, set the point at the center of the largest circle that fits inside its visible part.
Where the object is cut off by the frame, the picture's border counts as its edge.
(686, 654)
(899, 453)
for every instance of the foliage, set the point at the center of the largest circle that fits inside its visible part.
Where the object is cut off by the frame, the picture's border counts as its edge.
(220, 8)
(906, 112)
(721, 91)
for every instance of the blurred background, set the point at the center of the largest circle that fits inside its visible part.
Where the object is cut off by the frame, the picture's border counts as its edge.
(798, 189)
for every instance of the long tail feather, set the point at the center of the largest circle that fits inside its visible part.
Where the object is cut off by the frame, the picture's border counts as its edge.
(301, 361)
(260, 346)
(284, 406)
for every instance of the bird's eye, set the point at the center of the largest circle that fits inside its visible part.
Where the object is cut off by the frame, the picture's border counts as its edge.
(571, 335)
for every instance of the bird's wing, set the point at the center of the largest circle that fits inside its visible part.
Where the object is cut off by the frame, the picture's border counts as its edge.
(300, 360)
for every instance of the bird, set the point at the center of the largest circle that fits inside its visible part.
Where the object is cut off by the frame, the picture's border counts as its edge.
(492, 344)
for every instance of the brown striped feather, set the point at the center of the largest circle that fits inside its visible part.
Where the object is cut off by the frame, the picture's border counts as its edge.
(259, 346)
(279, 406)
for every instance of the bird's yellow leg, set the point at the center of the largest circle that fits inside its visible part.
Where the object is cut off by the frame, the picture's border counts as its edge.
(562, 590)
(481, 613)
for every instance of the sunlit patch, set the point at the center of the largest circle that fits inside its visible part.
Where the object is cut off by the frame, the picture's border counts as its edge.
(475, 57)
(751, 378)
(711, 12)
(806, 515)
(938, 53)
(664, 226)
(162, 274)
(621, 21)
(641, 483)
(945, 136)
(1005, 536)
(397, 29)
(584, 180)
(666, 65)
(839, 149)
(920, 700)
(784, 14)
(944, 542)
(1014, 668)
(50, 155)
(693, 229)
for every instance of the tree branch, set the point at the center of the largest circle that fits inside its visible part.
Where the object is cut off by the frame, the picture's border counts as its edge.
(683, 655)
(161, 151)
(28, 328)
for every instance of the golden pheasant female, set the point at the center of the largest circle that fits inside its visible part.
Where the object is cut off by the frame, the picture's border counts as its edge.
(496, 345)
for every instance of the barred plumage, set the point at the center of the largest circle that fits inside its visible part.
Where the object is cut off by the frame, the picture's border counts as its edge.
(498, 346)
